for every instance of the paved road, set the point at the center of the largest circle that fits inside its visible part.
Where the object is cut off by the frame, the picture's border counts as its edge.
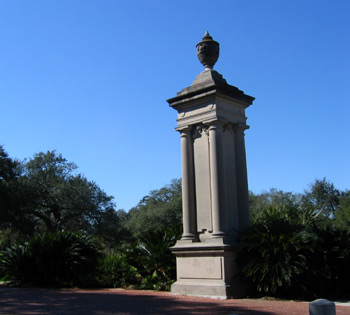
(127, 302)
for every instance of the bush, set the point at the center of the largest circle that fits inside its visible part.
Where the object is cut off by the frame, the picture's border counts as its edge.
(153, 259)
(273, 254)
(331, 260)
(287, 253)
(53, 259)
(294, 214)
(115, 271)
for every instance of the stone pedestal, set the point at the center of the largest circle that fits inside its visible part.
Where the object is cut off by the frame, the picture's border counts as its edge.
(211, 121)
(206, 270)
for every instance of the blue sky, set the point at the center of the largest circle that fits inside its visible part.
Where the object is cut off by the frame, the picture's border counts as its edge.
(90, 79)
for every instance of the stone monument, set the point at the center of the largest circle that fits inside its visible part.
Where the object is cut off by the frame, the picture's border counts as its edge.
(211, 121)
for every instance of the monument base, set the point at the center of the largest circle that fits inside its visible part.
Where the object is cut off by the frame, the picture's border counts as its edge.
(197, 288)
(205, 269)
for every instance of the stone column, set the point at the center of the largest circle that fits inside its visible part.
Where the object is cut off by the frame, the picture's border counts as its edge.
(214, 181)
(188, 189)
(242, 178)
(215, 157)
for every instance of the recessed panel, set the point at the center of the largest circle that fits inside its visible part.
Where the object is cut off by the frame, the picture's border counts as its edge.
(199, 268)
(202, 180)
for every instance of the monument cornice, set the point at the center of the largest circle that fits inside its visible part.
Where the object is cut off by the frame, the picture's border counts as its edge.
(201, 247)
(208, 84)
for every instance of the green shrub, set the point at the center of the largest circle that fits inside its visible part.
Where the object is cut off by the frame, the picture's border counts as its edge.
(115, 271)
(53, 259)
(331, 260)
(153, 259)
(273, 254)
(288, 253)
(294, 214)
(146, 264)
(15, 263)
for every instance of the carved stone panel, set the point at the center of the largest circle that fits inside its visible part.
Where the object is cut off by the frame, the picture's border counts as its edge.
(202, 178)
(230, 179)
(200, 268)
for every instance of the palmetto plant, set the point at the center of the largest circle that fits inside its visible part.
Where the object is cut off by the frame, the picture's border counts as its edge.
(293, 213)
(274, 253)
(52, 259)
(115, 271)
(16, 263)
(154, 260)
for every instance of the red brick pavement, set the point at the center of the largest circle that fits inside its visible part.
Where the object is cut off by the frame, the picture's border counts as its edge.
(127, 302)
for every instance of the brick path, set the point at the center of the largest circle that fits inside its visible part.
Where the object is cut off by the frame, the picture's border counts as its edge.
(127, 302)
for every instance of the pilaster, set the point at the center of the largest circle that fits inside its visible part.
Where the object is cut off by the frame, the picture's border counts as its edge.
(188, 189)
(242, 177)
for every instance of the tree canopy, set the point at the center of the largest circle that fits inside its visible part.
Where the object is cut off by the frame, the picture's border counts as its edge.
(46, 194)
(13, 197)
(160, 210)
(62, 199)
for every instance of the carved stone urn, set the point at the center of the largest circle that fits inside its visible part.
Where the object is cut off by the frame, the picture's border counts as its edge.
(208, 51)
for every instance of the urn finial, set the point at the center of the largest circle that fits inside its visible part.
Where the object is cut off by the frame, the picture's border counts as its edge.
(208, 51)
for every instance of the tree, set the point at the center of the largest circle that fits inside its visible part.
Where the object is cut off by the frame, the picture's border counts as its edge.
(8, 167)
(323, 196)
(342, 215)
(272, 198)
(110, 228)
(158, 211)
(13, 199)
(9, 174)
(61, 199)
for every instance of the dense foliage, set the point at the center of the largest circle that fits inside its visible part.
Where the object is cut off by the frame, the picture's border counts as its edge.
(158, 211)
(154, 260)
(297, 245)
(47, 208)
(146, 264)
(116, 271)
(51, 259)
(59, 229)
(46, 194)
